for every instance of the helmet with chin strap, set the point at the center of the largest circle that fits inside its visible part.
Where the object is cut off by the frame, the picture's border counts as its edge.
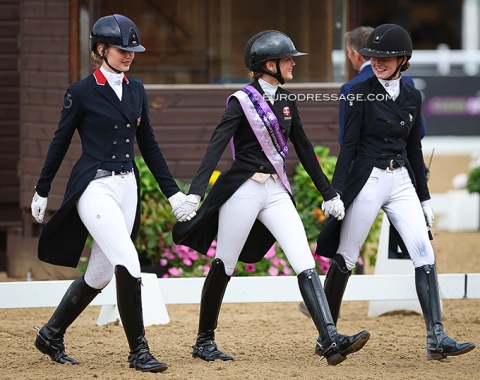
(118, 31)
(389, 40)
(269, 45)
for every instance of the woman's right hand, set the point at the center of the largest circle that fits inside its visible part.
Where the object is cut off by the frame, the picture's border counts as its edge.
(334, 207)
(39, 206)
(188, 208)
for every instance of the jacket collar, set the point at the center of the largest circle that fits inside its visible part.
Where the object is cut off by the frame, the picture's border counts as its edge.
(101, 80)
(377, 88)
(109, 93)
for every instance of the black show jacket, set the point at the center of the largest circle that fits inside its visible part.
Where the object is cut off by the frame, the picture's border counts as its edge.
(199, 232)
(377, 130)
(107, 128)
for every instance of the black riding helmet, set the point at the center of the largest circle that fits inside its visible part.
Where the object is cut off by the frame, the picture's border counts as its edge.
(389, 40)
(116, 30)
(269, 45)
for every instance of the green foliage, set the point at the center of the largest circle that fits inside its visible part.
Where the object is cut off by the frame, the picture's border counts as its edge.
(473, 182)
(156, 216)
(307, 198)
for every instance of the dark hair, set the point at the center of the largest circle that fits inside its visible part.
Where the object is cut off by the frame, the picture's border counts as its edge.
(357, 38)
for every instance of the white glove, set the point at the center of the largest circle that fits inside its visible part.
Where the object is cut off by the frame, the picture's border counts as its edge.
(176, 199)
(39, 205)
(334, 207)
(428, 213)
(188, 208)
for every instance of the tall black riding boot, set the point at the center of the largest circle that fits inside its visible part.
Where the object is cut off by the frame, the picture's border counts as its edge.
(212, 296)
(439, 345)
(335, 284)
(334, 346)
(49, 339)
(129, 300)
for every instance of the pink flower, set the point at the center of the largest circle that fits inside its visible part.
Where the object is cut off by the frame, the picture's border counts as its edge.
(206, 269)
(360, 261)
(250, 268)
(176, 272)
(276, 261)
(287, 270)
(193, 255)
(187, 262)
(211, 252)
(324, 264)
(163, 262)
(273, 271)
(271, 252)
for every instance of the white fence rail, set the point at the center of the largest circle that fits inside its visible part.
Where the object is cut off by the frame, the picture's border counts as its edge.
(160, 292)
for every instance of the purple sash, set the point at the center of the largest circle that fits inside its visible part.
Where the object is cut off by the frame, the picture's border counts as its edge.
(267, 129)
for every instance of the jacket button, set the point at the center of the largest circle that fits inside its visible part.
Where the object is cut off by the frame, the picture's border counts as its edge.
(261, 167)
(402, 123)
(399, 156)
(114, 143)
(127, 155)
(127, 141)
(115, 127)
(128, 125)
(383, 156)
(399, 140)
(114, 157)
(388, 122)
(385, 140)
(283, 130)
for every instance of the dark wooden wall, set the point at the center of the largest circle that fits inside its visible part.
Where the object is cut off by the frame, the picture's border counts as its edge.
(184, 119)
(9, 120)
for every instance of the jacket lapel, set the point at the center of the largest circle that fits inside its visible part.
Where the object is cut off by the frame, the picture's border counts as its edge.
(378, 89)
(404, 94)
(109, 94)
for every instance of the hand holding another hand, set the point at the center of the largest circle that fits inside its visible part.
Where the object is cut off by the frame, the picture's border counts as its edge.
(187, 209)
(334, 207)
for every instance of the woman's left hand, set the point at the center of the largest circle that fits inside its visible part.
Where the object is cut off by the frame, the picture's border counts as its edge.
(334, 207)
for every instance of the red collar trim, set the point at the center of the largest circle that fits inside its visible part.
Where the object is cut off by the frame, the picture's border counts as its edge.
(101, 80)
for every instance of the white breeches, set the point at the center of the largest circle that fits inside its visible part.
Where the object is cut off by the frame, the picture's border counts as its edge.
(107, 209)
(270, 203)
(393, 192)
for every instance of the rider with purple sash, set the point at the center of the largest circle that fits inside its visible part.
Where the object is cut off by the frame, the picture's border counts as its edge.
(250, 206)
